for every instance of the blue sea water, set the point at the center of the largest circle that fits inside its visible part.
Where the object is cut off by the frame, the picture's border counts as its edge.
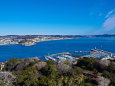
(45, 48)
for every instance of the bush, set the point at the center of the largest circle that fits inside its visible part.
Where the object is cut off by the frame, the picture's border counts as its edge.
(12, 63)
(88, 63)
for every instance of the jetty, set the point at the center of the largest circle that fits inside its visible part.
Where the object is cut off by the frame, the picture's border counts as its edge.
(83, 51)
(59, 54)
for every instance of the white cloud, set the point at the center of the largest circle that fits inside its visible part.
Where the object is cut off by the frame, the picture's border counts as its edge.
(109, 13)
(109, 24)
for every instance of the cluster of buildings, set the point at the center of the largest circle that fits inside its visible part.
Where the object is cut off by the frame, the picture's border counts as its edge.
(7, 41)
(27, 40)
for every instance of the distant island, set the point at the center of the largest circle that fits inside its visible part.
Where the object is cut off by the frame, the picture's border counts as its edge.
(29, 40)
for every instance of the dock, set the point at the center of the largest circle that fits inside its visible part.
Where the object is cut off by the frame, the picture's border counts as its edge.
(83, 51)
(60, 54)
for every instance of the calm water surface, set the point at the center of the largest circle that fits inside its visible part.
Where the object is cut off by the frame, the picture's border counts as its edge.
(50, 47)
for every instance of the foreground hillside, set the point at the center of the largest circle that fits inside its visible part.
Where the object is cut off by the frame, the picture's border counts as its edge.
(35, 72)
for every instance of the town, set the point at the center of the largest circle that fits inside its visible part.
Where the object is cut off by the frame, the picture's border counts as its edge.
(29, 40)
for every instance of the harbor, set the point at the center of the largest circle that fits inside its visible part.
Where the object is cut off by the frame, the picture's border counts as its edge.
(62, 57)
(95, 53)
(100, 54)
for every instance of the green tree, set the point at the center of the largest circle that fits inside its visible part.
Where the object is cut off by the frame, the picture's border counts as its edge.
(80, 79)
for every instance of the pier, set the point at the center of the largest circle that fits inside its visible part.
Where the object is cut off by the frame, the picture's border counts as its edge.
(59, 54)
(83, 51)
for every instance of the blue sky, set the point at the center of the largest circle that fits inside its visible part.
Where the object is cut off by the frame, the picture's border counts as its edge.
(60, 17)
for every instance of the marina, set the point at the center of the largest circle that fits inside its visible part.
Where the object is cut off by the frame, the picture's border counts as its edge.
(62, 57)
(100, 54)
(95, 53)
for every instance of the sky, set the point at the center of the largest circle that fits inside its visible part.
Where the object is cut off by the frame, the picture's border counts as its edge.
(57, 17)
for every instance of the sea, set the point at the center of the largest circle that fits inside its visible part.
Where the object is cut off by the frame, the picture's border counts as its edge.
(45, 48)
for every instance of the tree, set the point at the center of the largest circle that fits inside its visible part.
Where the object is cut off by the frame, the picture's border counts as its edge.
(80, 79)
(7, 78)
(88, 63)
(10, 64)
(60, 81)
(101, 81)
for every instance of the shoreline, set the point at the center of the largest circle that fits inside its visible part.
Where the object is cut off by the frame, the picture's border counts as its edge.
(50, 40)
(34, 43)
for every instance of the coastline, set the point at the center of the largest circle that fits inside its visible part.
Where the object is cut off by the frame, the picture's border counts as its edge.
(51, 40)
(34, 43)
(55, 39)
